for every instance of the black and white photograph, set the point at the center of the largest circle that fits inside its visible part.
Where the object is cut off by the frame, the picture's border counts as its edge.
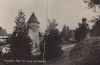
(49, 32)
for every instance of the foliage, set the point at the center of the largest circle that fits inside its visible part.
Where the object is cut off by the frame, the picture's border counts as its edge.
(65, 33)
(19, 40)
(52, 42)
(92, 3)
(95, 31)
(87, 52)
(82, 30)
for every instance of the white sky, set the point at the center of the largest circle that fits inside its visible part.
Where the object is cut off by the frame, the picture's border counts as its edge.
(68, 12)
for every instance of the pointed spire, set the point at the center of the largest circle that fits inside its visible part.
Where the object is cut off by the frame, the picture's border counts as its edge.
(33, 19)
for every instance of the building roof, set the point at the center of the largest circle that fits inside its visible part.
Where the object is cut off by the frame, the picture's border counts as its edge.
(33, 19)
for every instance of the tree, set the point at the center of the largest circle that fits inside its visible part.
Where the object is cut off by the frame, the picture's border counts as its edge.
(95, 31)
(19, 40)
(82, 30)
(52, 42)
(65, 33)
(93, 4)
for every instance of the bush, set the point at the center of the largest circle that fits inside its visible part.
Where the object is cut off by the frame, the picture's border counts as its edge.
(86, 52)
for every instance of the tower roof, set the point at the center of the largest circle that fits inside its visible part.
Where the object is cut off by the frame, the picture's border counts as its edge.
(33, 19)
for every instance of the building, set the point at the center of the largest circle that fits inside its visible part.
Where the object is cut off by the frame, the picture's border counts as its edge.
(3, 36)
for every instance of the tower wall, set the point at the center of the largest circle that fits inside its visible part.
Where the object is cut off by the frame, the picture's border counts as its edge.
(34, 36)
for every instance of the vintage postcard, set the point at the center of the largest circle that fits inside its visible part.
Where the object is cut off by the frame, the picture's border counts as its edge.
(49, 32)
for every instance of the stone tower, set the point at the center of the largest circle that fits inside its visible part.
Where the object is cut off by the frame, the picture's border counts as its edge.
(33, 25)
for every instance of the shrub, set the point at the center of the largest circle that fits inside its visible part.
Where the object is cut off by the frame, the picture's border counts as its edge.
(86, 52)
